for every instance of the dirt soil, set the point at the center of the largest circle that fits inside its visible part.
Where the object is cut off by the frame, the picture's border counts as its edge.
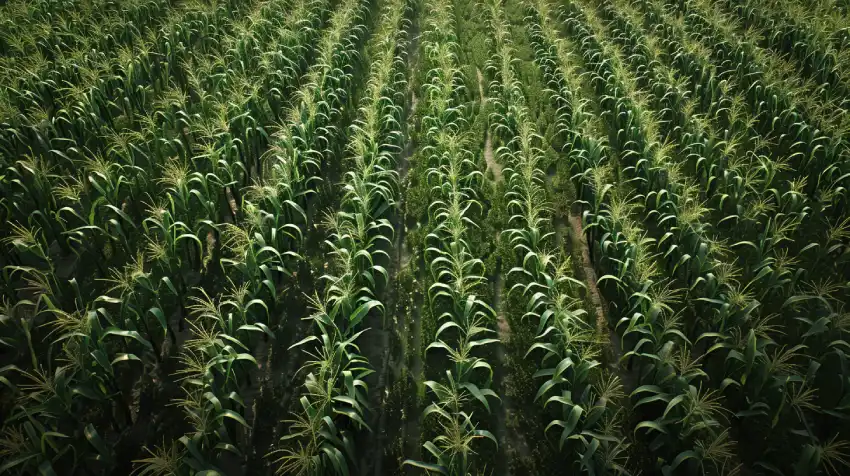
(492, 165)
(589, 274)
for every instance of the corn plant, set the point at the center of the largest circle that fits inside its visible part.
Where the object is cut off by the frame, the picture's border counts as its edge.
(543, 279)
(736, 295)
(773, 278)
(465, 319)
(171, 171)
(817, 58)
(670, 373)
(588, 397)
(215, 369)
(335, 402)
(812, 149)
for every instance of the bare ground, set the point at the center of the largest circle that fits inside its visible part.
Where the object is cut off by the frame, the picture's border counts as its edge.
(513, 442)
(589, 274)
(492, 165)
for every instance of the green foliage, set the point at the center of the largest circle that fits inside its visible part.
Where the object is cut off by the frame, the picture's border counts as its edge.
(180, 180)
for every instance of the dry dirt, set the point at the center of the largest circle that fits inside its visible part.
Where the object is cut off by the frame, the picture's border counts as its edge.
(590, 275)
(492, 165)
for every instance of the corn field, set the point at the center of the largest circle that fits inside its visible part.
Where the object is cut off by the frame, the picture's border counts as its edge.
(407, 237)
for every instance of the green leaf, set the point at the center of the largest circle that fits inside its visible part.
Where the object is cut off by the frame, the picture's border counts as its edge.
(113, 331)
(795, 299)
(477, 393)
(672, 404)
(361, 312)
(607, 277)
(354, 415)
(170, 285)
(233, 416)
(563, 366)
(651, 425)
(680, 458)
(101, 358)
(818, 327)
(214, 400)
(85, 391)
(435, 468)
(46, 469)
(749, 354)
(588, 455)
(11, 463)
(160, 317)
(93, 437)
(228, 447)
(569, 427)
(337, 459)
(248, 357)
(125, 358)
(547, 385)
(257, 327)
(488, 435)
(303, 341)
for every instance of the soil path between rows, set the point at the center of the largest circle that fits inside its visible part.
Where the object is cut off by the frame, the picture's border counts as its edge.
(589, 273)
(409, 432)
(492, 165)
(512, 442)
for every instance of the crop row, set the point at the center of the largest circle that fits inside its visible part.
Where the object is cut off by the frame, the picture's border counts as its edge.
(464, 376)
(334, 402)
